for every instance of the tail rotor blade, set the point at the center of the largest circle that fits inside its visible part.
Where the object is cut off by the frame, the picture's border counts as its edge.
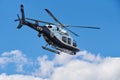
(18, 18)
(19, 26)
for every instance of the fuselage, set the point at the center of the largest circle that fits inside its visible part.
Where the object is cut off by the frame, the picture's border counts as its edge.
(59, 38)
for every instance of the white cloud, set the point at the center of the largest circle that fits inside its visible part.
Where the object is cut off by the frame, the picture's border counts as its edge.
(83, 66)
(16, 57)
(89, 56)
(45, 67)
(18, 77)
(62, 59)
(108, 69)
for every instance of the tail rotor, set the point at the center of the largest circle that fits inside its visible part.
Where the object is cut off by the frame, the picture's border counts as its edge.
(21, 20)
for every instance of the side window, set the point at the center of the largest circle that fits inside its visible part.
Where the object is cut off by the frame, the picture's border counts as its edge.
(69, 40)
(64, 39)
(74, 44)
(50, 26)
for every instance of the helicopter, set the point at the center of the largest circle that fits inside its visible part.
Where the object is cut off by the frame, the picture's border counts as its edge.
(57, 37)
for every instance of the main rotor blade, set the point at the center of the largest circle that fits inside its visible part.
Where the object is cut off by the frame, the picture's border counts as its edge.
(71, 32)
(54, 17)
(84, 27)
(59, 22)
(40, 21)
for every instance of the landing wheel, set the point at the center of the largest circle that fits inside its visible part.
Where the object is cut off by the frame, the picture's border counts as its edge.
(39, 35)
(74, 53)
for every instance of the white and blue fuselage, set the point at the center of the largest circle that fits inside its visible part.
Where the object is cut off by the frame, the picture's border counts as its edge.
(58, 37)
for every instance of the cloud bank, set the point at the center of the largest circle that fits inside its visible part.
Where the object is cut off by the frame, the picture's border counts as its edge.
(83, 66)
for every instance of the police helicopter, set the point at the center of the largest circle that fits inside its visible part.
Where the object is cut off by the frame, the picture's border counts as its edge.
(57, 37)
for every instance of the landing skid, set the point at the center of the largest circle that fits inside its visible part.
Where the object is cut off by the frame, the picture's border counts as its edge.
(51, 50)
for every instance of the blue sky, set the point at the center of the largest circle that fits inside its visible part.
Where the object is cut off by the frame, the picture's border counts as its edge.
(101, 13)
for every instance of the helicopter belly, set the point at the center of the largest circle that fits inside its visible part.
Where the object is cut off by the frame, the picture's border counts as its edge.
(55, 43)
